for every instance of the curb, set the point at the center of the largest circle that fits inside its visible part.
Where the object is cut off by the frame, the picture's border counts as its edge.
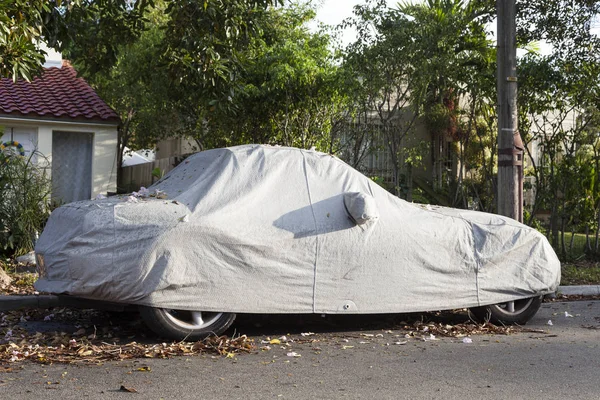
(581, 290)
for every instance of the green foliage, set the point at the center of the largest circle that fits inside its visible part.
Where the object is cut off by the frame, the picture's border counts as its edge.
(453, 47)
(24, 207)
(205, 39)
(20, 57)
(290, 90)
(267, 81)
(158, 173)
(419, 196)
(559, 116)
(205, 47)
(565, 24)
(428, 63)
(533, 221)
(91, 31)
(379, 74)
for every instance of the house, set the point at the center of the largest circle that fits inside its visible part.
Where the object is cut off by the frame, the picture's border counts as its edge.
(60, 122)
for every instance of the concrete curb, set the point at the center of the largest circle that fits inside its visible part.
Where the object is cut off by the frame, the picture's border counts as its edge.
(581, 290)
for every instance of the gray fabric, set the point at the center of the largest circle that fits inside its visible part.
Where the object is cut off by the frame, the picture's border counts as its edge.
(264, 229)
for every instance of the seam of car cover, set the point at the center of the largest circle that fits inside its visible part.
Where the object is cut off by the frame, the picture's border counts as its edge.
(470, 222)
(477, 262)
(348, 212)
(316, 232)
(370, 188)
(114, 224)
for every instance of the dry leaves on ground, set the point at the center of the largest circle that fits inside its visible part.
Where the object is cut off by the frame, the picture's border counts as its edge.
(63, 348)
(99, 338)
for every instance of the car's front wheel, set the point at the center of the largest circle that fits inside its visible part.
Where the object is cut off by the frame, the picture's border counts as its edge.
(185, 325)
(510, 312)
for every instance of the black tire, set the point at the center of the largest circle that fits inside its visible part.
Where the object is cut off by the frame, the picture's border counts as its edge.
(519, 312)
(182, 325)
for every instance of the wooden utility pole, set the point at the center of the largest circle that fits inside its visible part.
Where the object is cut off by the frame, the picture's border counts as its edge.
(510, 146)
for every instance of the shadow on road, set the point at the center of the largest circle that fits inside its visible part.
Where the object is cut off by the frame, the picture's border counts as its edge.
(281, 324)
(127, 326)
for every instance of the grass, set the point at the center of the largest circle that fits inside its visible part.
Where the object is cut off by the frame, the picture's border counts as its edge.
(578, 250)
(577, 269)
(580, 273)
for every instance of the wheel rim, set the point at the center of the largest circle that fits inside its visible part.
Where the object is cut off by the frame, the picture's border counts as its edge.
(192, 319)
(515, 307)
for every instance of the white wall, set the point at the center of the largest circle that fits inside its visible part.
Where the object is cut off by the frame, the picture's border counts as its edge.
(104, 168)
(27, 137)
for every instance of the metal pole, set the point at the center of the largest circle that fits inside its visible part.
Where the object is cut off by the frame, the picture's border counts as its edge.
(510, 146)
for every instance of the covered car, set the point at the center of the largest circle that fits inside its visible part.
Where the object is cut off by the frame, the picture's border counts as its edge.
(261, 229)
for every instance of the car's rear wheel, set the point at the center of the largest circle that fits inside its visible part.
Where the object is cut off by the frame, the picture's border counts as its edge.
(510, 312)
(185, 325)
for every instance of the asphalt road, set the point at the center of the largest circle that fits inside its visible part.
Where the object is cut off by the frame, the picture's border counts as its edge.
(562, 362)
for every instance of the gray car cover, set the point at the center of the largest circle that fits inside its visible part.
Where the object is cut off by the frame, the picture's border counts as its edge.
(269, 229)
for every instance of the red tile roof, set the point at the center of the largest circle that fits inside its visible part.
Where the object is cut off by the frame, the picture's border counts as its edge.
(57, 94)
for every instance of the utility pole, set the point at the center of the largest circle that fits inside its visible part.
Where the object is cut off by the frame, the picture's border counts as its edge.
(510, 146)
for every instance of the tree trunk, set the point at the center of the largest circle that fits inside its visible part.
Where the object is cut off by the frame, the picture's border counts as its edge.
(554, 225)
(597, 238)
(563, 248)
(588, 243)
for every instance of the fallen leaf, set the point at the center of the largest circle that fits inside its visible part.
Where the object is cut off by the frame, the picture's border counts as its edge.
(126, 389)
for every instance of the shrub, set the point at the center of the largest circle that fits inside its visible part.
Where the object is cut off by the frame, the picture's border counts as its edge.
(24, 202)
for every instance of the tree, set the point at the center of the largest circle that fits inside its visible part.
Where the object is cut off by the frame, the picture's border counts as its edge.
(559, 114)
(381, 61)
(565, 24)
(203, 49)
(423, 62)
(455, 62)
(95, 28)
(137, 86)
(178, 76)
(290, 93)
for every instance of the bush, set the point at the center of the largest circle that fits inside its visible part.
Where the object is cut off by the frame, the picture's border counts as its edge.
(24, 203)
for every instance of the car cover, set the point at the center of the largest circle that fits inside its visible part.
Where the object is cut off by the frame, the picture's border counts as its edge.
(268, 230)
